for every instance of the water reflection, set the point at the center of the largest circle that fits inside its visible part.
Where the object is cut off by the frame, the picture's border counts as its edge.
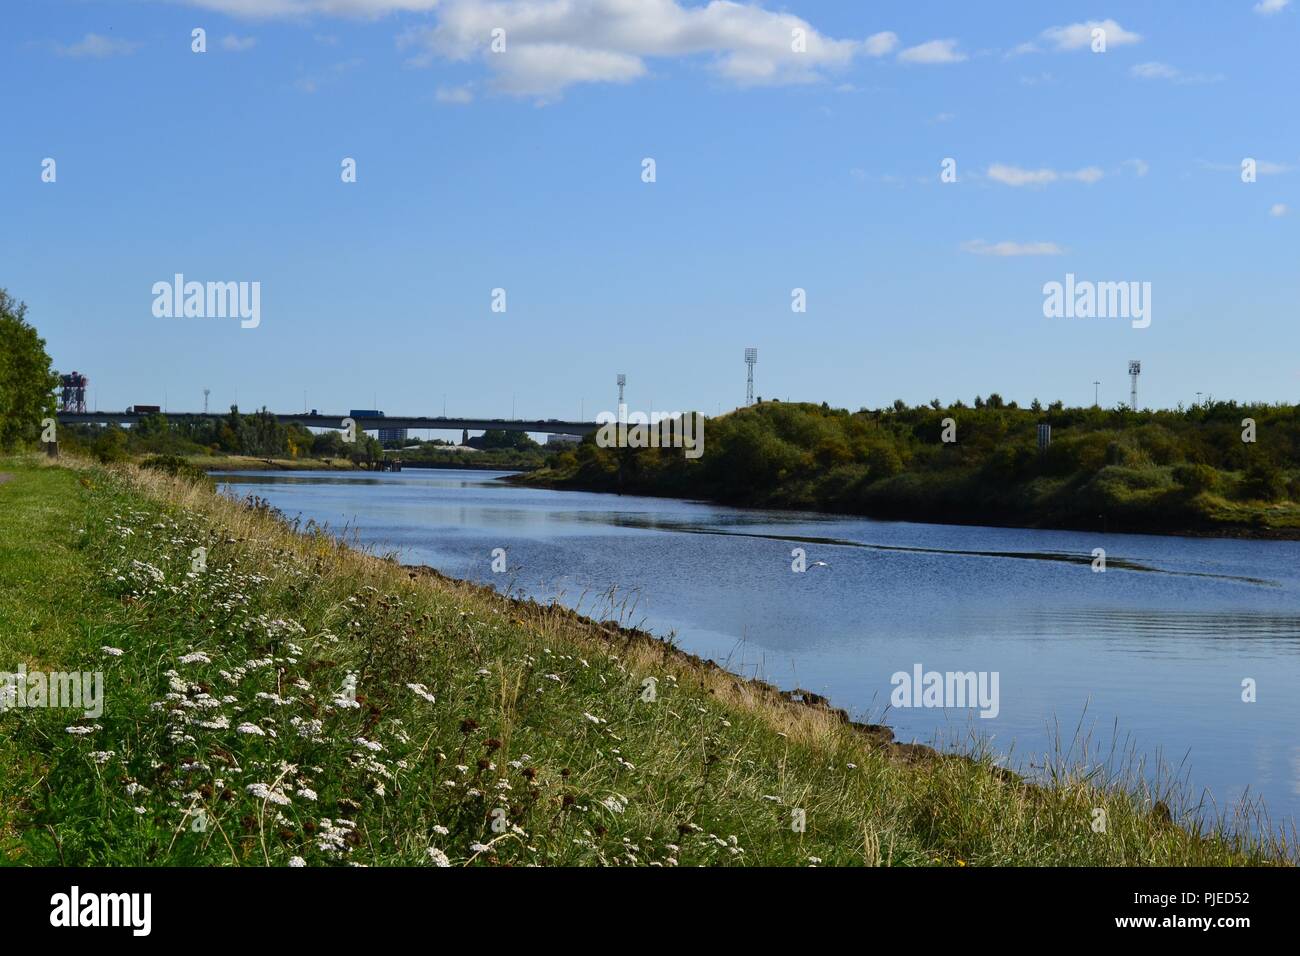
(1158, 645)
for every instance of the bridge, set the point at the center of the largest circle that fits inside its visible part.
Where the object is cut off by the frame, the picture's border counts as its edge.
(364, 423)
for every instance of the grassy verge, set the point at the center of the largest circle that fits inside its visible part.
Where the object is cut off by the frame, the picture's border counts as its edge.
(279, 698)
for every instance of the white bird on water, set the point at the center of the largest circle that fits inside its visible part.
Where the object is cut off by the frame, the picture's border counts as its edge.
(819, 564)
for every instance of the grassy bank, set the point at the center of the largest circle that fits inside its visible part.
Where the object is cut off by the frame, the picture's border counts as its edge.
(274, 697)
(1221, 468)
(251, 463)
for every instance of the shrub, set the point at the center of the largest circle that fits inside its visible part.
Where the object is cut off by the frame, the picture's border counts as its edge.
(177, 467)
(1196, 478)
(1263, 481)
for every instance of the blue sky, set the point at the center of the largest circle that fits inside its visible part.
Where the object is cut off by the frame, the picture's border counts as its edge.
(775, 170)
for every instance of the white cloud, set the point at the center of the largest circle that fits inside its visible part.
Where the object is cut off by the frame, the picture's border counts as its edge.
(1155, 71)
(1263, 167)
(237, 44)
(879, 44)
(269, 9)
(1266, 8)
(98, 46)
(454, 94)
(554, 44)
(544, 69)
(1078, 36)
(1140, 167)
(933, 51)
(1163, 71)
(981, 248)
(1278, 209)
(1016, 176)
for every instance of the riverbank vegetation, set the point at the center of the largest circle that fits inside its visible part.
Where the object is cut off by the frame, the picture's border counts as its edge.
(223, 441)
(1186, 470)
(274, 697)
(242, 441)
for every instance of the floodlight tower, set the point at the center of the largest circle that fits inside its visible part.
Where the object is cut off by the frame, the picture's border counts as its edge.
(622, 409)
(751, 359)
(1134, 370)
(74, 392)
(206, 393)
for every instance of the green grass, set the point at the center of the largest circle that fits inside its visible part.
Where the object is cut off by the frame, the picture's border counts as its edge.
(251, 463)
(538, 724)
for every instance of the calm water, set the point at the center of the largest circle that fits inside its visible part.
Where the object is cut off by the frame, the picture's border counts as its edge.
(1158, 646)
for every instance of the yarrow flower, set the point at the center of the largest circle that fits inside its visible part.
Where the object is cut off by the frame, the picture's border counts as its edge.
(264, 792)
(250, 729)
(614, 803)
(421, 691)
(112, 651)
(438, 857)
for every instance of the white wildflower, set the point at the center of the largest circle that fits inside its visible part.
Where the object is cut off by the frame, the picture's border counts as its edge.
(421, 691)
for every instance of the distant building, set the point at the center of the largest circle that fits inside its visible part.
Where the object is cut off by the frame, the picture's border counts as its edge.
(563, 440)
(392, 434)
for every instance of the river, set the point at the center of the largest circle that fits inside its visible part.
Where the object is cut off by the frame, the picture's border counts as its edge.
(1147, 659)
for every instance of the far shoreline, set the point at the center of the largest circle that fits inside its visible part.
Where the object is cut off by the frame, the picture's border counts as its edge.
(1231, 532)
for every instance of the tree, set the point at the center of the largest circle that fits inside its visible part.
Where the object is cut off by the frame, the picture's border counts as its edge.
(26, 380)
(500, 438)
